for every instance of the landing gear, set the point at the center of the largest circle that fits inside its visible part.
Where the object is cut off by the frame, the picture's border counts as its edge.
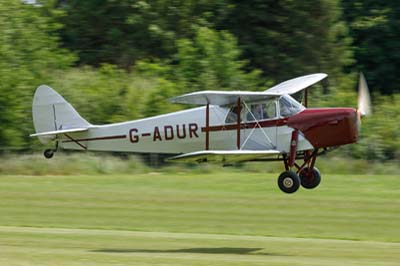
(306, 174)
(289, 182)
(48, 154)
(310, 178)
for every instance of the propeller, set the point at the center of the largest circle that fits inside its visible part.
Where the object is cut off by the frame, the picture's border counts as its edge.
(364, 100)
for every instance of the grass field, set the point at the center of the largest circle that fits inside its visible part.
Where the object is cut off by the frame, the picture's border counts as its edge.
(222, 218)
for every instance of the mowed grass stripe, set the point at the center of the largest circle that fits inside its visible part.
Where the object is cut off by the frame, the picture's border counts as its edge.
(344, 207)
(60, 246)
(171, 235)
(190, 219)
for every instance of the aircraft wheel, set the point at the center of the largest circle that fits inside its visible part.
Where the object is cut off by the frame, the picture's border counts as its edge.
(48, 153)
(289, 182)
(310, 179)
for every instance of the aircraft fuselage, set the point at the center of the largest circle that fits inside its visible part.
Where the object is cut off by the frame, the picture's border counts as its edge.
(185, 131)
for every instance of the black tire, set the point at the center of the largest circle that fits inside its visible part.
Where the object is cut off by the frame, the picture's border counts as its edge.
(289, 182)
(48, 154)
(310, 179)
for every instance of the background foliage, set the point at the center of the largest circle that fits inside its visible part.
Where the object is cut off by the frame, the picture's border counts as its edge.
(126, 57)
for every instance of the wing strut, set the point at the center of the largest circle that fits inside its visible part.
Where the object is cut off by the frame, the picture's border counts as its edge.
(256, 125)
(306, 97)
(238, 124)
(207, 126)
(77, 142)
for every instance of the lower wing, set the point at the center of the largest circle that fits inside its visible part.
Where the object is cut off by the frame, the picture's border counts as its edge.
(224, 156)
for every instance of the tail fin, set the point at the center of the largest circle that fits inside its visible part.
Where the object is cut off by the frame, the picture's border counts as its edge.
(51, 112)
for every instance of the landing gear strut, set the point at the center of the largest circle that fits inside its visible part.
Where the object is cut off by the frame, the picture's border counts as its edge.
(306, 174)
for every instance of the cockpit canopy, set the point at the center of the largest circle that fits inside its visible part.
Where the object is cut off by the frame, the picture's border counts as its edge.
(289, 106)
(273, 108)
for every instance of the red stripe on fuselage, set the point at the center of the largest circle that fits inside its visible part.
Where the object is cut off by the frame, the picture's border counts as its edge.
(99, 138)
(266, 123)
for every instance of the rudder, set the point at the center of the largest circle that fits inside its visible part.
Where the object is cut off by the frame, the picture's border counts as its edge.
(52, 112)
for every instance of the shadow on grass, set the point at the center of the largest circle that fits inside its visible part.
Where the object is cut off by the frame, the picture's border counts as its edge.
(221, 250)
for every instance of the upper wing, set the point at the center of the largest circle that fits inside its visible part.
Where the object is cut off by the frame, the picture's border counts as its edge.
(223, 156)
(221, 97)
(297, 84)
(230, 97)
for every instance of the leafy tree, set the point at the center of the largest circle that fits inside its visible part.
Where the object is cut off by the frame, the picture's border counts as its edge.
(157, 100)
(107, 94)
(291, 38)
(211, 61)
(374, 26)
(28, 53)
(122, 32)
(379, 136)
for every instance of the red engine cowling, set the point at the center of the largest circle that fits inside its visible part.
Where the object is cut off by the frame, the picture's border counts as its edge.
(327, 127)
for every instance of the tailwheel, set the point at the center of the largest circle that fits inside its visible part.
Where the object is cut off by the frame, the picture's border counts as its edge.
(289, 182)
(48, 154)
(310, 177)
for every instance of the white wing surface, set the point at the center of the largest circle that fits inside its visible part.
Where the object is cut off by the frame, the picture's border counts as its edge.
(223, 156)
(221, 97)
(297, 84)
(230, 97)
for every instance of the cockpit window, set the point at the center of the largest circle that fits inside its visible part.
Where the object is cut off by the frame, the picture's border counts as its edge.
(262, 111)
(289, 106)
(254, 111)
(232, 115)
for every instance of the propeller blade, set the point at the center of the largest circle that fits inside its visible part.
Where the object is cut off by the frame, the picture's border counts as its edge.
(364, 100)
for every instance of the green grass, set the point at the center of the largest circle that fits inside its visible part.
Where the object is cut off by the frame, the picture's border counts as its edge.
(87, 163)
(218, 218)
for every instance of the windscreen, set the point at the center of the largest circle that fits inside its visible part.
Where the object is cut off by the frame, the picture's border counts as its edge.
(289, 106)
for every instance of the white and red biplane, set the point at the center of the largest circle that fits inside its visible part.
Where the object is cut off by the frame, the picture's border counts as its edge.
(230, 127)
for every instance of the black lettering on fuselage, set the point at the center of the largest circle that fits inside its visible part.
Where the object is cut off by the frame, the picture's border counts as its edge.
(183, 132)
(168, 132)
(133, 137)
(156, 134)
(192, 130)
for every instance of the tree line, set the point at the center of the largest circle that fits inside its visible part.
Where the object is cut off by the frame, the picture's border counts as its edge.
(127, 57)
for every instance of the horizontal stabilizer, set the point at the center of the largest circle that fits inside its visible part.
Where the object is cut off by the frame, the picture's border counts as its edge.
(223, 156)
(56, 132)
